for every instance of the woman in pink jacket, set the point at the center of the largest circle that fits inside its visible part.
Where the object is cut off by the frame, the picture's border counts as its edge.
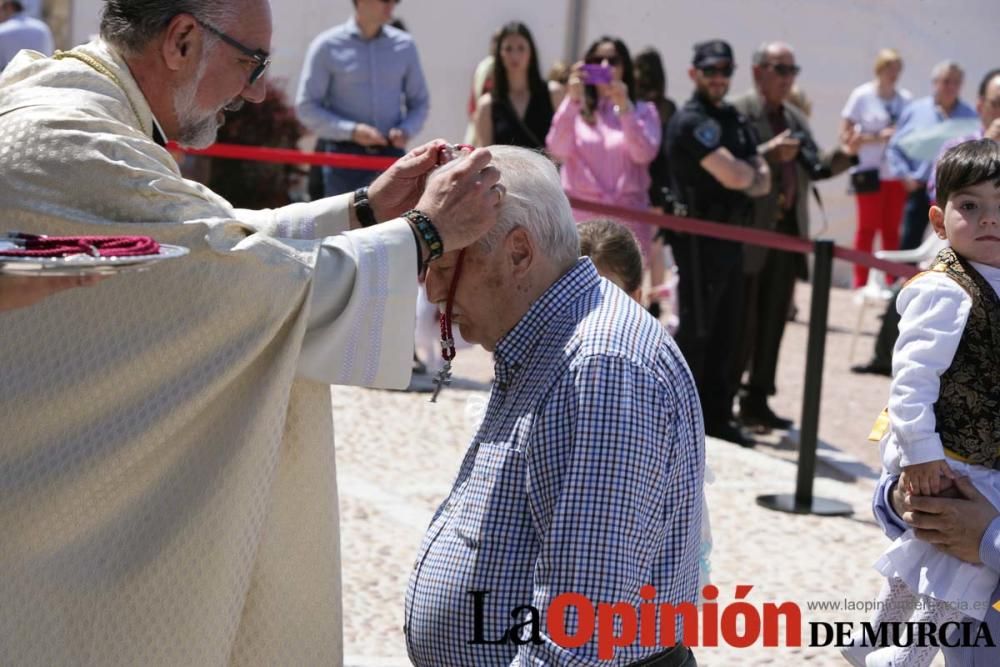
(604, 139)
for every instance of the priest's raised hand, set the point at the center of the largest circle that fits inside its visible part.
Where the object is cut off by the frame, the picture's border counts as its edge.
(461, 197)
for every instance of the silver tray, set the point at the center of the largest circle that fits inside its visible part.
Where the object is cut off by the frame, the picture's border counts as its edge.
(77, 265)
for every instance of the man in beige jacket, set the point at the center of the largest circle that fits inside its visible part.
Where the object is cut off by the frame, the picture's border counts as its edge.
(769, 275)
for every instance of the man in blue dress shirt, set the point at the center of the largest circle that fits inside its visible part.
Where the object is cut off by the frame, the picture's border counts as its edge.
(362, 91)
(944, 104)
(20, 30)
(586, 474)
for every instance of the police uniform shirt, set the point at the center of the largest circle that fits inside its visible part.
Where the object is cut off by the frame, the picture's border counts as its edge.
(697, 130)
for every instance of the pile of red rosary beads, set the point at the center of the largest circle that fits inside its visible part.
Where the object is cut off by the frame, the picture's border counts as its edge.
(32, 245)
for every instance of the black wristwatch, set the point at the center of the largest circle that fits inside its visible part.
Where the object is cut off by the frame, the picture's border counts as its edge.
(363, 207)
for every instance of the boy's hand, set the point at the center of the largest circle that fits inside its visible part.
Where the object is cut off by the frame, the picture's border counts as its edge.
(926, 479)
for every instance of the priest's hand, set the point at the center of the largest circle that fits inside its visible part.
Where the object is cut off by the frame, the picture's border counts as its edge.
(398, 189)
(23, 291)
(462, 199)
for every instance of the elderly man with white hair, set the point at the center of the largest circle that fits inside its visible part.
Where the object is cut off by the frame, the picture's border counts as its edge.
(585, 475)
(941, 105)
(168, 488)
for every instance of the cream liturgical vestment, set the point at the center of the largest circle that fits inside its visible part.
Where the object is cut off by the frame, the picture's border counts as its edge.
(167, 479)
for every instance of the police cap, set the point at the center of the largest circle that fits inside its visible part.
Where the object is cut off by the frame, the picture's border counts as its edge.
(712, 52)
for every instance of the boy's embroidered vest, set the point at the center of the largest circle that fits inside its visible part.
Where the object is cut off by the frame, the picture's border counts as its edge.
(968, 405)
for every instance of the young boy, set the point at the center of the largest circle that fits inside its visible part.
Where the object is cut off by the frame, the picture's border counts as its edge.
(944, 404)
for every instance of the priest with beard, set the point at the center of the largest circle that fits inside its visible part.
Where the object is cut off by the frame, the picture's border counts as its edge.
(167, 473)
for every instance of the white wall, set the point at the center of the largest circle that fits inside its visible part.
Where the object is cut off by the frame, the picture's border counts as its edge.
(452, 36)
(835, 40)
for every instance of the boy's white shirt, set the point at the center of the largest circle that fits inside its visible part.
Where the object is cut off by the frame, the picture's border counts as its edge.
(933, 311)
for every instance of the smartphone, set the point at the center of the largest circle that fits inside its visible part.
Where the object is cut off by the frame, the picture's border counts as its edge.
(596, 75)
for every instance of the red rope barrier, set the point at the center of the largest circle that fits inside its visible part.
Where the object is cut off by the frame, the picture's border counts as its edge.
(746, 235)
(715, 230)
(290, 156)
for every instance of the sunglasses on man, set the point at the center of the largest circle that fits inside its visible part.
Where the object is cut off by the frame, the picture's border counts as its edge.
(259, 56)
(613, 61)
(725, 71)
(781, 69)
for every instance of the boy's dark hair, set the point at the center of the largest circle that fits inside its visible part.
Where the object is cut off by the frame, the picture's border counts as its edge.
(612, 246)
(967, 164)
(985, 83)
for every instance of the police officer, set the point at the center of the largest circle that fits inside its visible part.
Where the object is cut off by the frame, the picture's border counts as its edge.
(715, 172)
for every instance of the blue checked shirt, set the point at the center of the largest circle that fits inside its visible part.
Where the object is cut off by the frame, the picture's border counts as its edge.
(585, 476)
(348, 79)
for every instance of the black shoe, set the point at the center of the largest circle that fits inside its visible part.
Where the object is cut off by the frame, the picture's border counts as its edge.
(728, 432)
(654, 309)
(871, 368)
(757, 413)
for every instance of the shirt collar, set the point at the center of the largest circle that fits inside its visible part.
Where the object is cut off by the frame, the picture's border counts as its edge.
(514, 348)
(354, 29)
(991, 273)
(704, 103)
(159, 136)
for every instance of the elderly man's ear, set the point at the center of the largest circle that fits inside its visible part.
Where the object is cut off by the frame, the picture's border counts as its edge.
(520, 252)
(181, 42)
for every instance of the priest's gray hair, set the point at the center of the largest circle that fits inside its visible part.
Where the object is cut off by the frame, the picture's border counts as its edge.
(130, 25)
(536, 202)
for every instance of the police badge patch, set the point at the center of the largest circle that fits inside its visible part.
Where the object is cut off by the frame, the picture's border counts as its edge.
(708, 133)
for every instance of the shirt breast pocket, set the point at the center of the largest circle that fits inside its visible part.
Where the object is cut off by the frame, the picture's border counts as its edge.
(494, 495)
(345, 63)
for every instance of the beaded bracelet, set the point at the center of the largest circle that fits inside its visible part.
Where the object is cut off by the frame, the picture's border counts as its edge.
(428, 232)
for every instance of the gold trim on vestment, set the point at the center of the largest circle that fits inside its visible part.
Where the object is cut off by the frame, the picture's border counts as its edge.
(102, 69)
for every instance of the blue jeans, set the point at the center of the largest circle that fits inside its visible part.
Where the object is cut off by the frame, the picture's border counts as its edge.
(914, 219)
(336, 180)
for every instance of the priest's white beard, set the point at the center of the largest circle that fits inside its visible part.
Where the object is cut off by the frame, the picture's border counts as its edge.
(196, 127)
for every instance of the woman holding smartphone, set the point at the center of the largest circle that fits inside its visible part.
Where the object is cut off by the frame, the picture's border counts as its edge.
(518, 111)
(604, 138)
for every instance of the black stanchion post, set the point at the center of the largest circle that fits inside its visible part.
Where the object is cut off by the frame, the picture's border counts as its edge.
(803, 501)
